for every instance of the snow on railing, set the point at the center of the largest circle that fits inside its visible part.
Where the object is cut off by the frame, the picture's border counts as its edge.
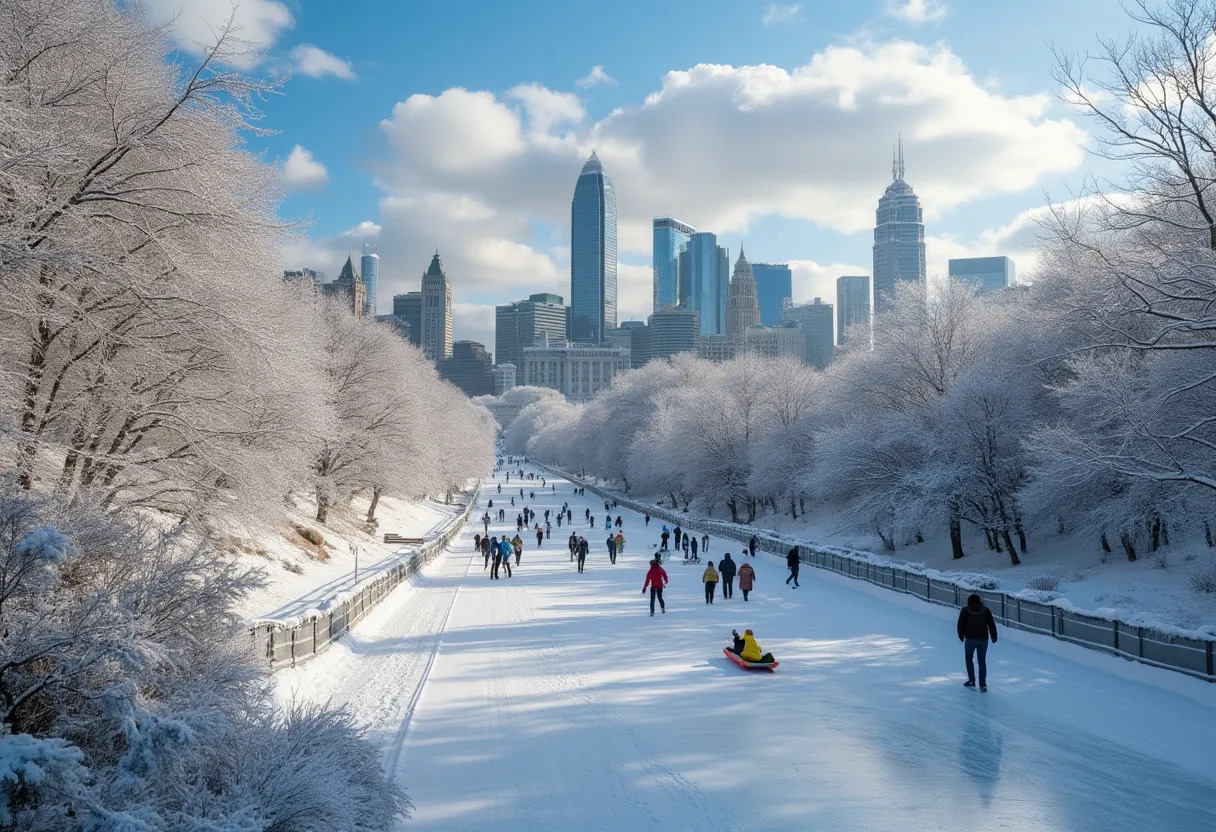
(1185, 651)
(287, 643)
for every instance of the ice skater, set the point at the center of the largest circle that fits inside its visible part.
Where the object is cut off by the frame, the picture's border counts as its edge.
(793, 562)
(656, 579)
(975, 626)
(710, 578)
(726, 570)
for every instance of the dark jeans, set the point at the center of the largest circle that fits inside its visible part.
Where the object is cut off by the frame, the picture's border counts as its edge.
(487, 565)
(518, 555)
(745, 591)
(494, 571)
(972, 647)
(728, 587)
(612, 555)
(709, 591)
(656, 592)
(581, 560)
(793, 575)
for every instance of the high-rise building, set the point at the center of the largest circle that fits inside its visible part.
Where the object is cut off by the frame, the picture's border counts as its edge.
(369, 265)
(742, 309)
(852, 303)
(436, 312)
(349, 287)
(408, 308)
(774, 289)
(704, 280)
(718, 348)
(304, 277)
(577, 371)
(670, 239)
(899, 236)
(816, 321)
(469, 368)
(522, 323)
(673, 329)
(786, 341)
(986, 274)
(504, 378)
(592, 254)
(635, 337)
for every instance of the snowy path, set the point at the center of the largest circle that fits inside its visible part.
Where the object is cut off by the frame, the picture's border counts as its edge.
(552, 701)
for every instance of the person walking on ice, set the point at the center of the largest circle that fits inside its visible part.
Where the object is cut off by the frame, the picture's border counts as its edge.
(517, 545)
(726, 570)
(582, 552)
(975, 626)
(792, 561)
(665, 534)
(540, 535)
(747, 577)
(710, 578)
(611, 549)
(620, 544)
(656, 579)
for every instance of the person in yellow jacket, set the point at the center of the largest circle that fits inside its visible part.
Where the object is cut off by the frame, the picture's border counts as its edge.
(751, 651)
(710, 578)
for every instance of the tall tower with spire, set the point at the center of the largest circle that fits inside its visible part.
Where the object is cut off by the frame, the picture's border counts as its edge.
(593, 293)
(742, 308)
(436, 312)
(899, 235)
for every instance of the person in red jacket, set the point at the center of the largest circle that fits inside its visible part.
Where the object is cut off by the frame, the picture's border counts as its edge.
(656, 579)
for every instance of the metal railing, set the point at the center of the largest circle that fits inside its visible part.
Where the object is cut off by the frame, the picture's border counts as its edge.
(286, 645)
(1172, 651)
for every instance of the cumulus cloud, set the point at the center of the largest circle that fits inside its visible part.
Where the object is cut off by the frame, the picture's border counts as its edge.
(547, 109)
(775, 13)
(916, 12)
(315, 62)
(596, 76)
(301, 171)
(193, 24)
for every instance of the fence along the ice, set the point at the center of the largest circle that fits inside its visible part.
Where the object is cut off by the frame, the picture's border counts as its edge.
(1172, 651)
(286, 645)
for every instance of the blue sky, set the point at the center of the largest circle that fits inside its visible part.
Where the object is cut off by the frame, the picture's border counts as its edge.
(412, 124)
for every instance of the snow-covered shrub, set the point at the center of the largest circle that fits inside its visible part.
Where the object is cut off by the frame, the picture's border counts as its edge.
(1043, 582)
(311, 535)
(1039, 596)
(1160, 560)
(1203, 579)
(973, 580)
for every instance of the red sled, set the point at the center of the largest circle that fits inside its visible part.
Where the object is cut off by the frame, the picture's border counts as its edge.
(746, 665)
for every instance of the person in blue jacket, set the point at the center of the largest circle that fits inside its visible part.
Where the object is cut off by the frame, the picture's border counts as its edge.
(506, 550)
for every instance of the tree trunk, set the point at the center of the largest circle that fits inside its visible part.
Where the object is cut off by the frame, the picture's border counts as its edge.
(1128, 547)
(793, 508)
(1105, 543)
(1155, 531)
(734, 510)
(1165, 533)
(1207, 533)
(918, 537)
(623, 479)
(1021, 530)
(956, 537)
(322, 506)
(751, 510)
(802, 503)
(371, 509)
(1013, 553)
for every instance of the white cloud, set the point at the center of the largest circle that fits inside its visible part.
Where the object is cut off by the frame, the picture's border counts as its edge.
(816, 280)
(315, 62)
(775, 13)
(547, 109)
(193, 24)
(916, 12)
(301, 171)
(596, 76)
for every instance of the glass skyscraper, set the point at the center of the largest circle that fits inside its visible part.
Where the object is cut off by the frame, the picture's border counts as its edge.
(899, 236)
(986, 274)
(592, 255)
(852, 303)
(774, 286)
(704, 281)
(670, 238)
(369, 265)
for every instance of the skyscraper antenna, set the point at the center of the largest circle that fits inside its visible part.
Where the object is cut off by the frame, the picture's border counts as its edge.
(900, 164)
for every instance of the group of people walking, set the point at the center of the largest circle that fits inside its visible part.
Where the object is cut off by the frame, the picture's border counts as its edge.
(725, 574)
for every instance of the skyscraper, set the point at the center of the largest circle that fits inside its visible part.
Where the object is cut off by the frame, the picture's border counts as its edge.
(742, 309)
(408, 308)
(704, 280)
(436, 312)
(469, 368)
(774, 286)
(986, 274)
(673, 329)
(369, 264)
(521, 324)
(670, 238)
(815, 320)
(592, 254)
(852, 303)
(899, 236)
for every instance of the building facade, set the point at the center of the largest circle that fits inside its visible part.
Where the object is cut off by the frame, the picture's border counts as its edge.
(775, 341)
(504, 378)
(593, 291)
(670, 239)
(986, 274)
(369, 265)
(576, 371)
(742, 308)
(522, 324)
(469, 368)
(408, 308)
(718, 348)
(852, 303)
(899, 237)
(774, 290)
(673, 329)
(304, 277)
(349, 288)
(436, 312)
(704, 281)
(635, 337)
(816, 320)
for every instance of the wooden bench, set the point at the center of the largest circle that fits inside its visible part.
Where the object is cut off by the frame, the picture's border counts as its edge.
(396, 538)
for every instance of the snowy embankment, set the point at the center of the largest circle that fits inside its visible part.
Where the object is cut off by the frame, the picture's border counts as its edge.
(302, 576)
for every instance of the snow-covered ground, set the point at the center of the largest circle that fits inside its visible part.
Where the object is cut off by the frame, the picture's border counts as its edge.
(552, 701)
(300, 576)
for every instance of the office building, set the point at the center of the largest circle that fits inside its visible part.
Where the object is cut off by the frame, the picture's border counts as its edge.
(786, 341)
(816, 320)
(852, 304)
(408, 308)
(349, 288)
(592, 255)
(469, 368)
(673, 329)
(670, 239)
(899, 237)
(774, 290)
(398, 326)
(717, 348)
(742, 309)
(504, 378)
(577, 371)
(304, 277)
(635, 337)
(369, 265)
(986, 274)
(704, 280)
(436, 312)
(522, 323)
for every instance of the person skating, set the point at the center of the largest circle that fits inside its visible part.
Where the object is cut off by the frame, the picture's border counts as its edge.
(540, 535)
(517, 545)
(747, 578)
(686, 547)
(656, 579)
(647, 519)
(693, 537)
(619, 522)
(664, 537)
(497, 553)
(587, 514)
(549, 529)
(751, 546)
(620, 544)
(502, 515)
(485, 551)
(705, 544)
(477, 542)
(677, 533)
(572, 543)
(485, 521)
(710, 578)
(519, 522)
(611, 549)
(507, 550)
(726, 571)
(975, 626)
(583, 548)
(500, 488)
(792, 561)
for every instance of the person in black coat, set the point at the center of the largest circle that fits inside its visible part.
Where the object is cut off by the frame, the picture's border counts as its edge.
(792, 561)
(751, 546)
(726, 571)
(975, 626)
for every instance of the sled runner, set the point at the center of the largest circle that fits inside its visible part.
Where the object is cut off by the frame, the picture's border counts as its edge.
(749, 665)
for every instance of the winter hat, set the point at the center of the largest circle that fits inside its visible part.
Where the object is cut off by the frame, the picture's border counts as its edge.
(974, 600)
(748, 633)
